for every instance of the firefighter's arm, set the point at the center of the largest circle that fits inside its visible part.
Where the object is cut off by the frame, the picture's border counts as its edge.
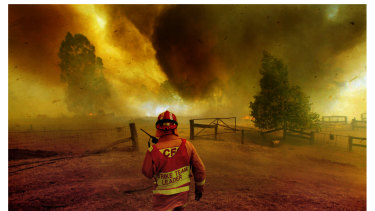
(199, 171)
(147, 168)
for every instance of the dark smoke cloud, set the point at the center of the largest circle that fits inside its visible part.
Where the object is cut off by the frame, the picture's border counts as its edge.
(199, 45)
(208, 52)
(184, 42)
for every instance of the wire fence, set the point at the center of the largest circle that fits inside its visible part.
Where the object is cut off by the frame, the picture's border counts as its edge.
(338, 141)
(65, 140)
(331, 139)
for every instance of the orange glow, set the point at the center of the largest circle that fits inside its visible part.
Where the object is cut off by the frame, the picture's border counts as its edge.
(123, 38)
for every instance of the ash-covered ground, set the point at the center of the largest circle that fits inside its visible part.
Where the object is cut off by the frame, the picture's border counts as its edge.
(58, 174)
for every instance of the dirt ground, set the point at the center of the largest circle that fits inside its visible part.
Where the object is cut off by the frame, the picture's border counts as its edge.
(239, 177)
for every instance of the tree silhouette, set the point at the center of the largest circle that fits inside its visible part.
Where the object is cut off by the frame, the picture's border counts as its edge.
(279, 105)
(82, 71)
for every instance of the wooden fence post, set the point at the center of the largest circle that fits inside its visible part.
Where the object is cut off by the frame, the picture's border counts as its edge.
(350, 142)
(353, 124)
(312, 137)
(242, 136)
(191, 129)
(215, 131)
(133, 135)
(284, 133)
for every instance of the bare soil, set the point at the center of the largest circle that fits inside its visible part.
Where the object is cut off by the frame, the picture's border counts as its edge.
(239, 177)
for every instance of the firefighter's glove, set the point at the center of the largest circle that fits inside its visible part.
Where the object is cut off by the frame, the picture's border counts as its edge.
(198, 195)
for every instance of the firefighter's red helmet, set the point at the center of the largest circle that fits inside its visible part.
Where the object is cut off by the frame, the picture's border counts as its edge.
(166, 121)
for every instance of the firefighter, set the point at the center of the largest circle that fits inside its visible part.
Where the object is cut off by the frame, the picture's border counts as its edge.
(170, 163)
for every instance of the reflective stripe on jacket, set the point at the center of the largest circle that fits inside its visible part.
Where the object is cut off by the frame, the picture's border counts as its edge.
(173, 172)
(164, 197)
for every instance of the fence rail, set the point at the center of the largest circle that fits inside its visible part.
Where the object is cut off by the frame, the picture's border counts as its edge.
(334, 119)
(337, 141)
(271, 131)
(341, 141)
(351, 144)
(214, 124)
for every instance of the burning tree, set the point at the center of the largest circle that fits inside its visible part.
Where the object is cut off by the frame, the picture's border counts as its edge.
(278, 104)
(87, 88)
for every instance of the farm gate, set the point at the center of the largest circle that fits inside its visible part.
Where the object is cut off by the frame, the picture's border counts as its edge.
(359, 124)
(334, 120)
(214, 123)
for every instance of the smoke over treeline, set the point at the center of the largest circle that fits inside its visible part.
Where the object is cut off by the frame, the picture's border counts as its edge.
(196, 57)
(199, 45)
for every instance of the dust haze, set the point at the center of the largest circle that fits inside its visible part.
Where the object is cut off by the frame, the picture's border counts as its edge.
(70, 141)
(196, 60)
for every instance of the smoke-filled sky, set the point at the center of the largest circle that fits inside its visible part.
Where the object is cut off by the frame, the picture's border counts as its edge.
(191, 59)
